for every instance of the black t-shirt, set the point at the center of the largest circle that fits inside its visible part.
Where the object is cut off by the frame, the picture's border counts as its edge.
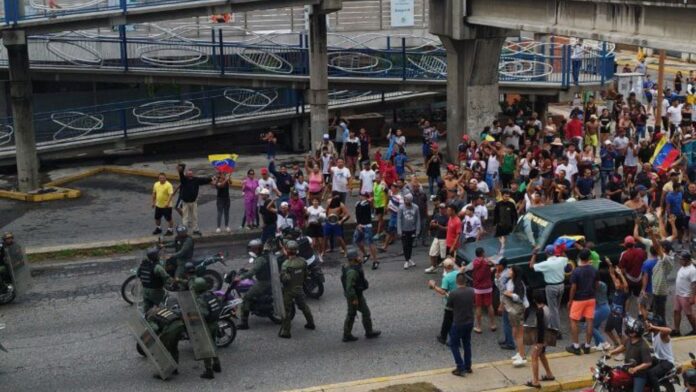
(645, 153)
(284, 182)
(364, 146)
(584, 277)
(559, 197)
(505, 214)
(363, 213)
(472, 195)
(269, 218)
(689, 197)
(352, 147)
(434, 167)
(440, 233)
(642, 178)
(613, 186)
(190, 186)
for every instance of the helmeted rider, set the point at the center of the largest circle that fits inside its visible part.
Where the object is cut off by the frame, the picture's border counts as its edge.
(261, 269)
(662, 347)
(637, 353)
(690, 378)
(153, 277)
(304, 244)
(183, 246)
(210, 306)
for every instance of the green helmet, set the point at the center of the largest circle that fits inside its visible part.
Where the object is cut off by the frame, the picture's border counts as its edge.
(199, 285)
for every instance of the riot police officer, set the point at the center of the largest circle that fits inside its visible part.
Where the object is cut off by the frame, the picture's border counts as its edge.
(293, 273)
(354, 284)
(262, 271)
(210, 307)
(169, 327)
(183, 245)
(153, 278)
(7, 239)
(304, 244)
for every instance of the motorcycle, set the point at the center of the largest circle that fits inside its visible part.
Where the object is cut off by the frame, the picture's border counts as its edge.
(618, 379)
(7, 293)
(131, 289)
(234, 294)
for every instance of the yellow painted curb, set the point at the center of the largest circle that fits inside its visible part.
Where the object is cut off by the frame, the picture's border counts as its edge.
(75, 177)
(35, 196)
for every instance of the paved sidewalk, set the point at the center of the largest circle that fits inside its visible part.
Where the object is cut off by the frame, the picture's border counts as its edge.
(571, 372)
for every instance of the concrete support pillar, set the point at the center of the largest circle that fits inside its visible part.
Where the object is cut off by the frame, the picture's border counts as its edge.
(472, 87)
(21, 97)
(318, 94)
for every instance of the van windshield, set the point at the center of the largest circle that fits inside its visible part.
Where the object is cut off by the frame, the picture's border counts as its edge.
(533, 228)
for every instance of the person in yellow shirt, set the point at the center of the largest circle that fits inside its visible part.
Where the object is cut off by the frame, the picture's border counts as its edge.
(162, 193)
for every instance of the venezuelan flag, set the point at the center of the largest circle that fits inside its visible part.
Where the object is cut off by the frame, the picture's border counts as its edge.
(224, 163)
(665, 155)
(568, 241)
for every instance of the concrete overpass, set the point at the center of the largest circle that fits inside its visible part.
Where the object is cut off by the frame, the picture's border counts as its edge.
(473, 30)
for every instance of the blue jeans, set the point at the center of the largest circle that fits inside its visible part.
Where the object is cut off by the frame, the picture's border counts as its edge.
(601, 313)
(577, 64)
(461, 333)
(508, 339)
(491, 179)
(431, 183)
(604, 176)
(640, 130)
(639, 383)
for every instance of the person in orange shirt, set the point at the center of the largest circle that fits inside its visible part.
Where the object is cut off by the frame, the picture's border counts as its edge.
(454, 230)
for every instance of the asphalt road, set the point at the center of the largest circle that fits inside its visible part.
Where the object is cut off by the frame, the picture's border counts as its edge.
(69, 334)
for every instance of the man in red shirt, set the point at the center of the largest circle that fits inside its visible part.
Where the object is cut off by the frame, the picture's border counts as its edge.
(483, 288)
(454, 230)
(631, 263)
(573, 130)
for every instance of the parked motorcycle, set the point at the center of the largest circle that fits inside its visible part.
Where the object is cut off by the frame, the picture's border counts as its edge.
(618, 379)
(131, 289)
(233, 297)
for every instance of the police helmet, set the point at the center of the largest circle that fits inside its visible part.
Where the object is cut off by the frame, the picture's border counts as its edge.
(352, 254)
(181, 230)
(296, 232)
(690, 378)
(635, 326)
(152, 254)
(254, 244)
(199, 285)
(8, 235)
(189, 267)
(292, 246)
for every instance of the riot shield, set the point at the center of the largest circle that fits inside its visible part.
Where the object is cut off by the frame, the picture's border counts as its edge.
(276, 286)
(203, 345)
(151, 345)
(18, 267)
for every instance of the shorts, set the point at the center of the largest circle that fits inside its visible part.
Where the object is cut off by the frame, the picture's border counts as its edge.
(681, 304)
(163, 212)
(634, 288)
(646, 300)
(582, 309)
(363, 236)
(614, 323)
(516, 318)
(314, 230)
(425, 149)
(379, 210)
(483, 299)
(333, 230)
(438, 248)
(391, 227)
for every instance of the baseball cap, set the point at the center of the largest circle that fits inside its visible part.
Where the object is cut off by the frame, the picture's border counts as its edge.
(607, 142)
(442, 205)
(641, 188)
(685, 255)
(326, 136)
(284, 204)
(629, 240)
(264, 170)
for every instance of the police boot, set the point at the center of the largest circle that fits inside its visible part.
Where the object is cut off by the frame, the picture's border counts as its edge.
(349, 338)
(244, 323)
(373, 334)
(208, 374)
(216, 365)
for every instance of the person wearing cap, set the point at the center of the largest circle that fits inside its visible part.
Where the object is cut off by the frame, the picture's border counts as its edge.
(408, 226)
(286, 220)
(354, 285)
(363, 230)
(685, 294)
(438, 227)
(631, 263)
(327, 144)
(269, 215)
(607, 156)
(553, 270)
(293, 274)
(449, 283)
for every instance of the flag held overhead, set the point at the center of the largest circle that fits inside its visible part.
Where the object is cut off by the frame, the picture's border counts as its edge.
(224, 163)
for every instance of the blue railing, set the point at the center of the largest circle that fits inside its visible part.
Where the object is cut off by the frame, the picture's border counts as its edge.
(389, 58)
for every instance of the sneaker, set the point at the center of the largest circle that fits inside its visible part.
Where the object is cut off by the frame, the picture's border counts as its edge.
(430, 270)
(458, 373)
(157, 231)
(574, 350)
(519, 362)
(227, 229)
(586, 348)
(375, 265)
(216, 230)
(516, 356)
(365, 259)
(406, 265)
(411, 263)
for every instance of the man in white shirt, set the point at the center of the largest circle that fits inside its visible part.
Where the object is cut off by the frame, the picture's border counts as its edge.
(340, 180)
(569, 170)
(512, 134)
(576, 58)
(268, 183)
(675, 115)
(367, 179)
(685, 293)
(553, 269)
(471, 226)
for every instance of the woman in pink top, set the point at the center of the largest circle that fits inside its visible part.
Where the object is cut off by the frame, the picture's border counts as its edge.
(249, 186)
(316, 180)
(297, 208)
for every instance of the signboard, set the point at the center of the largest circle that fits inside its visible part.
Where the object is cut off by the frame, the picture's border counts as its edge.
(402, 12)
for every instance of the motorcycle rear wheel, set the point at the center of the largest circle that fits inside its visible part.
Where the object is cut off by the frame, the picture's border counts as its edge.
(313, 288)
(226, 333)
(131, 290)
(9, 296)
(213, 278)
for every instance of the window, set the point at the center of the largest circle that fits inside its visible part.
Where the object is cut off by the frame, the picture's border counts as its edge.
(613, 229)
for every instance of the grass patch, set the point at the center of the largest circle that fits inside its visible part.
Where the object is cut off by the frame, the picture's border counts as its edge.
(74, 254)
(417, 387)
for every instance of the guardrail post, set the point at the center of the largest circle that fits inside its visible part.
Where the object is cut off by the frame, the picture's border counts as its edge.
(603, 64)
(124, 5)
(124, 123)
(403, 58)
(564, 67)
(212, 40)
(124, 46)
(222, 53)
